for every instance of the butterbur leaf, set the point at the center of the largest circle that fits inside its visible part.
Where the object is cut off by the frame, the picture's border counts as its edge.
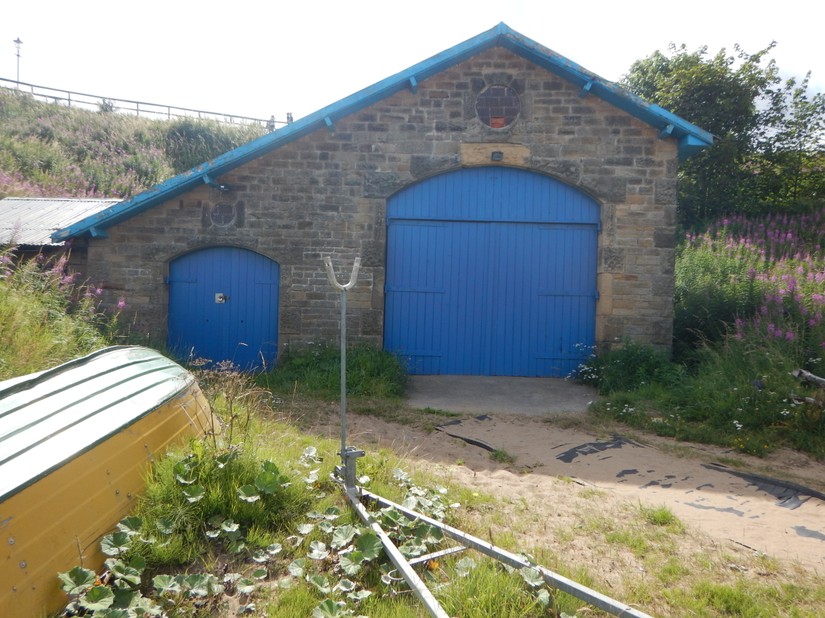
(268, 482)
(77, 580)
(269, 466)
(532, 577)
(274, 549)
(166, 583)
(97, 598)
(260, 556)
(184, 473)
(464, 566)
(248, 493)
(318, 550)
(342, 536)
(202, 585)
(194, 493)
(260, 573)
(246, 586)
(229, 526)
(331, 609)
(115, 543)
(130, 525)
(165, 525)
(358, 596)
(326, 527)
(345, 585)
(125, 573)
(305, 529)
(351, 562)
(320, 582)
(370, 545)
(543, 597)
(296, 567)
(332, 513)
(412, 549)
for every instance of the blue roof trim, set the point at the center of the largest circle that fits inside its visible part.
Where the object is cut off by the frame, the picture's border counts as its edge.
(690, 138)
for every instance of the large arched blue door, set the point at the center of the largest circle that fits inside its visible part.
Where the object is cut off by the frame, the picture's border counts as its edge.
(223, 305)
(491, 271)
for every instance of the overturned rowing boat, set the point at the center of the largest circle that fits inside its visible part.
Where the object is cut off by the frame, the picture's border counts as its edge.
(75, 442)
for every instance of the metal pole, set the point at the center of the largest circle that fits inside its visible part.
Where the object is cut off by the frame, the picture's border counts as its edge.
(343, 374)
(348, 455)
(564, 584)
(17, 44)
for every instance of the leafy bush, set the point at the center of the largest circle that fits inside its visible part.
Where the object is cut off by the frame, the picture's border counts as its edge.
(627, 367)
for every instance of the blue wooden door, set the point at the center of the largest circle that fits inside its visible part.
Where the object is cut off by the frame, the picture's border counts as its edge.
(491, 271)
(223, 305)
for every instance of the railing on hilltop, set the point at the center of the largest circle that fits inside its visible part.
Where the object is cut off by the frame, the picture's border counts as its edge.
(125, 106)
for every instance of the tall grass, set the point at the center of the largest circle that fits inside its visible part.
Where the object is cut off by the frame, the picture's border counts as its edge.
(45, 317)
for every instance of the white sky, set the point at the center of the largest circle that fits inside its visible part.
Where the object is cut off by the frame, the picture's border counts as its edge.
(254, 58)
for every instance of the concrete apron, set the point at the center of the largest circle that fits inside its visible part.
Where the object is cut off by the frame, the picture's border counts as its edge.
(489, 394)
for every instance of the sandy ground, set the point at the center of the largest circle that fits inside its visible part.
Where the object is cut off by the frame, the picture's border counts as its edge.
(775, 506)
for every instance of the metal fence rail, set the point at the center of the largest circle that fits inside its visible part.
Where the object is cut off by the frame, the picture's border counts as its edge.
(125, 106)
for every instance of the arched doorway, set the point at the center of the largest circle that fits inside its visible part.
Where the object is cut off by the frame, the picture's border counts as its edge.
(491, 271)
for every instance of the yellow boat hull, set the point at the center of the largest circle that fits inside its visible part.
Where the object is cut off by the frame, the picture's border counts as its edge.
(57, 521)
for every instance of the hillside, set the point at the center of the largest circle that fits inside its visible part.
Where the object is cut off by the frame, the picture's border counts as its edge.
(50, 150)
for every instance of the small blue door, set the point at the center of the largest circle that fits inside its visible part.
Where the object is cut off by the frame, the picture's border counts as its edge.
(223, 305)
(491, 271)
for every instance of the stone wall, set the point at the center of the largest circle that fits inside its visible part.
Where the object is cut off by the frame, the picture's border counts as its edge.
(326, 193)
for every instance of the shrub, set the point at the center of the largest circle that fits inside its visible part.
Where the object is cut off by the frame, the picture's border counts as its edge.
(627, 367)
(316, 370)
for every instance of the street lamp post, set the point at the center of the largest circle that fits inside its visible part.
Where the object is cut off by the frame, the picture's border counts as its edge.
(17, 44)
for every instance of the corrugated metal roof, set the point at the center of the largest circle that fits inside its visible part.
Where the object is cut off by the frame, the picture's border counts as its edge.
(690, 138)
(32, 220)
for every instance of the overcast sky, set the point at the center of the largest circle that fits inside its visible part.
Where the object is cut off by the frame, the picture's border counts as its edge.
(257, 59)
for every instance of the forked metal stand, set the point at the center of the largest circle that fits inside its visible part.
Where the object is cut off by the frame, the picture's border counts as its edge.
(347, 475)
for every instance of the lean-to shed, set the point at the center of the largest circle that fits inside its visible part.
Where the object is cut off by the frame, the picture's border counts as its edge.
(511, 210)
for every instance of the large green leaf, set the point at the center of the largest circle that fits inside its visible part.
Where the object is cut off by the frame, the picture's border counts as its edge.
(331, 609)
(343, 535)
(77, 580)
(320, 582)
(318, 550)
(194, 493)
(248, 493)
(370, 545)
(97, 597)
(130, 525)
(116, 543)
(268, 482)
(351, 562)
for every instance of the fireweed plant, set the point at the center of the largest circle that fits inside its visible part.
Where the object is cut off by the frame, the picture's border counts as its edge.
(749, 305)
(46, 316)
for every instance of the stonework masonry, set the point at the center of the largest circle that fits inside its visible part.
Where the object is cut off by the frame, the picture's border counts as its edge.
(326, 194)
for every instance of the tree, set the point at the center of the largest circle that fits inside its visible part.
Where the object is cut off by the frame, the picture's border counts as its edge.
(769, 134)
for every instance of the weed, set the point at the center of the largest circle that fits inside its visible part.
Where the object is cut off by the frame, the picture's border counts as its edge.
(502, 456)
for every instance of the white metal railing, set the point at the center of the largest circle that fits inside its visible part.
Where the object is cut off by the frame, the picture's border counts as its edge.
(125, 106)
